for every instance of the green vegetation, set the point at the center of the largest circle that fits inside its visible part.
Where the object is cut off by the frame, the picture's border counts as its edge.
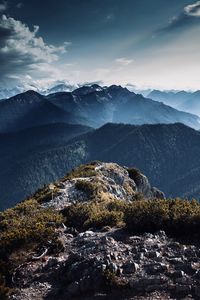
(22, 229)
(90, 188)
(45, 194)
(111, 280)
(95, 214)
(177, 217)
(87, 170)
(27, 222)
(27, 226)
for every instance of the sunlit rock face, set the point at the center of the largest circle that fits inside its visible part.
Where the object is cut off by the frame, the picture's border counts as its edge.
(108, 181)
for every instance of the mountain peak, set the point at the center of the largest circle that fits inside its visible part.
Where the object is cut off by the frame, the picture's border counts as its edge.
(32, 93)
(118, 243)
(102, 180)
(29, 96)
(87, 89)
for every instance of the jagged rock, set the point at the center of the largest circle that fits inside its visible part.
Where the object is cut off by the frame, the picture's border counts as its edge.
(102, 261)
(177, 274)
(110, 181)
(156, 268)
(113, 268)
(130, 268)
(154, 254)
(86, 234)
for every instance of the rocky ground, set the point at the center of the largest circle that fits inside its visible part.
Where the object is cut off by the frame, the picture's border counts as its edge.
(110, 180)
(112, 265)
(108, 263)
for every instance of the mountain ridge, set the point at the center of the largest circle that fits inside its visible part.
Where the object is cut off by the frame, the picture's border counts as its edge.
(100, 230)
(92, 106)
(167, 154)
(181, 100)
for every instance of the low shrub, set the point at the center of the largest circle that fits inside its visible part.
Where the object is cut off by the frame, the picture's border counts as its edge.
(22, 229)
(104, 218)
(177, 217)
(25, 223)
(88, 187)
(76, 215)
(95, 214)
(45, 194)
(112, 281)
(146, 215)
(87, 170)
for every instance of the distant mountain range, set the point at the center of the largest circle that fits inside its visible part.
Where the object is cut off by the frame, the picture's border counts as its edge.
(6, 93)
(182, 100)
(41, 139)
(167, 154)
(89, 105)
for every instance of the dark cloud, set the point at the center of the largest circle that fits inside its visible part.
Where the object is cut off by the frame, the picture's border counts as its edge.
(98, 82)
(3, 6)
(22, 50)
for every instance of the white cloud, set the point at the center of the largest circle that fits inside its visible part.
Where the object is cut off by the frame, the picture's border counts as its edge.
(123, 61)
(22, 50)
(3, 6)
(193, 9)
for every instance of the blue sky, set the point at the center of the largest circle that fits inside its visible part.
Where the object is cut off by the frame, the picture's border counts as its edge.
(150, 44)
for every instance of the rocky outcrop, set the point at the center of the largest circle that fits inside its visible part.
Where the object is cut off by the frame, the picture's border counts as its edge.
(108, 180)
(113, 264)
(104, 262)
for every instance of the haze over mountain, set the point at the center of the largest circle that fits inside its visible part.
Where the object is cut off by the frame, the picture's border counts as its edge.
(88, 105)
(35, 156)
(167, 154)
(99, 136)
(6, 93)
(182, 100)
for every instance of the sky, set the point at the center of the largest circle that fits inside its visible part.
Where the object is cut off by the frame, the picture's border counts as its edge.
(144, 43)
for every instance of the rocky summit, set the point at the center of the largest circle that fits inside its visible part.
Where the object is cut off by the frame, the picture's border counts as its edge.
(98, 233)
(102, 180)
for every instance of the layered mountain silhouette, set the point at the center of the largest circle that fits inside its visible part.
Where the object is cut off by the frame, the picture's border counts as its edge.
(41, 139)
(89, 105)
(182, 100)
(35, 156)
(167, 154)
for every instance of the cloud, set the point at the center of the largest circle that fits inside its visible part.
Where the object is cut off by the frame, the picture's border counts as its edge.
(3, 6)
(19, 5)
(22, 50)
(98, 82)
(187, 18)
(193, 9)
(123, 61)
